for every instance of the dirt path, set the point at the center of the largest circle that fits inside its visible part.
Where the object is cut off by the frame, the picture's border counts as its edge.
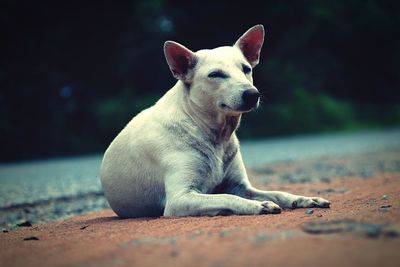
(362, 228)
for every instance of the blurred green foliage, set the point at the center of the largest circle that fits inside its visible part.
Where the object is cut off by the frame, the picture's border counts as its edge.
(302, 112)
(114, 113)
(73, 74)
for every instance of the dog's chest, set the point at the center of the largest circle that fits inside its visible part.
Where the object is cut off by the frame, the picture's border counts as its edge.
(213, 167)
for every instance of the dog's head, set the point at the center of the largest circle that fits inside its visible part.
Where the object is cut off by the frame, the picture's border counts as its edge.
(219, 79)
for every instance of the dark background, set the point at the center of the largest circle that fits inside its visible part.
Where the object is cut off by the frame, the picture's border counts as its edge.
(72, 73)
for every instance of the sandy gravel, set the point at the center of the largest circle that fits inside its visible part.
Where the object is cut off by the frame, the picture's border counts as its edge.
(362, 227)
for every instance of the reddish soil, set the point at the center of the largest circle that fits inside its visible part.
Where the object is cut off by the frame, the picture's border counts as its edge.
(101, 239)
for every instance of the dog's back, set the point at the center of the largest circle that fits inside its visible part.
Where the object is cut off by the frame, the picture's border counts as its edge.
(124, 173)
(134, 166)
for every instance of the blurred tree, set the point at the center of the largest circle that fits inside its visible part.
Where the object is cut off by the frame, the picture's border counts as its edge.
(72, 74)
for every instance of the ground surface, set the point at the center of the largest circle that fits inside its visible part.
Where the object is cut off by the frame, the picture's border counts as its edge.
(362, 227)
(47, 190)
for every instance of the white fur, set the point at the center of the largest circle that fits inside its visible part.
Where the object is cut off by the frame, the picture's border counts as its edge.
(181, 157)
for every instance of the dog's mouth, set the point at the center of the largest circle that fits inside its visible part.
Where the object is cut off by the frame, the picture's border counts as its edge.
(248, 108)
(225, 107)
(241, 109)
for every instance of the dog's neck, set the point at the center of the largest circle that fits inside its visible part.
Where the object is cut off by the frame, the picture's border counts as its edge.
(219, 127)
(227, 127)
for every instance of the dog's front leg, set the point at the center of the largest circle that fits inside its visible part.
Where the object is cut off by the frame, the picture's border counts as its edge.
(238, 184)
(183, 199)
(197, 204)
(284, 199)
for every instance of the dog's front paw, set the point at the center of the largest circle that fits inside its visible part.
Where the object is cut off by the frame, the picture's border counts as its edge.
(269, 207)
(310, 202)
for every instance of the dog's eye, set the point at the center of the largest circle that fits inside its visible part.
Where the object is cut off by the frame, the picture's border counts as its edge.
(246, 69)
(217, 74)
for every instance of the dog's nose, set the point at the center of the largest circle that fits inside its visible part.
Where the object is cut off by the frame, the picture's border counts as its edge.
(250, 98)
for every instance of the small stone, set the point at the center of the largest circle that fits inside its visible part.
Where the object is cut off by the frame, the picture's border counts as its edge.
(309, 212)
(174, 253)
(31, 238)
(304, 179)
(26, 210)
(391, 231)
(384, 197)
(287, 177)
(5, 231)
(370, 230)
(25, 224)
(84, 227)
(384, 208)
(326, 180)
(222, 234)
(319, 215)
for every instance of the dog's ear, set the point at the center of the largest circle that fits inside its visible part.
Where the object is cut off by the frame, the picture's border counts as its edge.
(250, 44)
(180, 60)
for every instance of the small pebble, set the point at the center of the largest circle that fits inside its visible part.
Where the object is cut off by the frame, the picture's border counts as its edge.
(319, 215)
(384, 197)
(31, 238)
(385, 206)
(391, 231)
(25, 224)
(174, 253)
(309, 212)
(326, 180)
(383, 210)
(5, 231)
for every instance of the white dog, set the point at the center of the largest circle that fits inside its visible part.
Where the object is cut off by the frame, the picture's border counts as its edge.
(181, 157)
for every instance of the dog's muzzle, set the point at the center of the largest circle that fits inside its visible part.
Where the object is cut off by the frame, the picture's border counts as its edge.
(250, 99)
